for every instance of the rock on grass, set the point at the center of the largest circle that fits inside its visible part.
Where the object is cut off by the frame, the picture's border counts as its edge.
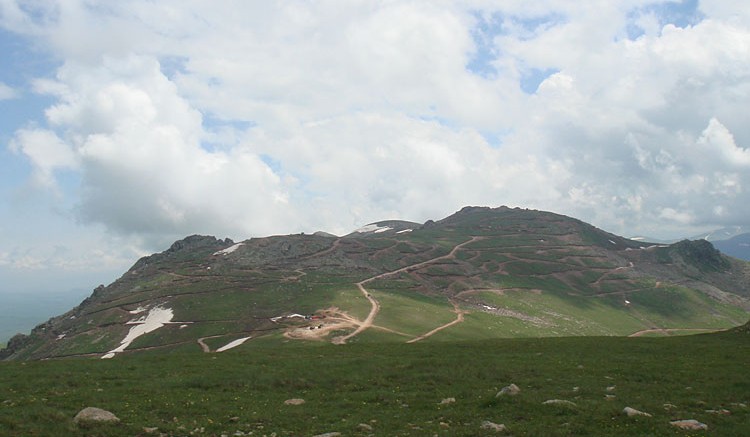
(632, 412)
(95, 415)
(294, 401)
(510, 390)
(491, 426)
(689, 424)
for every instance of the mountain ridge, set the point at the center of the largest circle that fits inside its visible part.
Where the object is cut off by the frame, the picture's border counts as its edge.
(479, 273)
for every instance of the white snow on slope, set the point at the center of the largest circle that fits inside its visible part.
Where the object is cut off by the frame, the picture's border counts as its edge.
(229, 249)
(155, 319)
(372, 228)
(404, 231)
(232, 344)
(277, 318)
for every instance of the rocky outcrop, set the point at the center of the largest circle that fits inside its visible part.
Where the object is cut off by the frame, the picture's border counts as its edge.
(188, 244)
(700, 254)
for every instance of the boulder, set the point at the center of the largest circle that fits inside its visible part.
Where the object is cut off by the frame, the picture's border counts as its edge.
(491, 426)
(448, 401)
(95, 415)
(510, 390)
(294, 401)
(631, 412)
(689, 424)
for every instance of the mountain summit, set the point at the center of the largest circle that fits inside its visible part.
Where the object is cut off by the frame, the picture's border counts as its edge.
(479, 273)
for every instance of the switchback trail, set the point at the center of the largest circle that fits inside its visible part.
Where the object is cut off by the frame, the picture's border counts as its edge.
(375, 305)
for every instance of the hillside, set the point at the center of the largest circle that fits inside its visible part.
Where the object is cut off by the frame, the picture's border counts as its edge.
(390, 389)
(480, 273)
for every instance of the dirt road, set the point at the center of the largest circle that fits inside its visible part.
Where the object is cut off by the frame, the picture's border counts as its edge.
(459, 318)
(375, 305)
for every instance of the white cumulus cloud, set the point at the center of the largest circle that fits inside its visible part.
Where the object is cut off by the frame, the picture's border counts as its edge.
(245, 118)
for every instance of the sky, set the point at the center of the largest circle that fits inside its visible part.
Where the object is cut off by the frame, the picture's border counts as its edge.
(127, 125)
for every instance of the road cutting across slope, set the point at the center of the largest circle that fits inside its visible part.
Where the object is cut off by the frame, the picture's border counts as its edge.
(459, 318)
(375, 305)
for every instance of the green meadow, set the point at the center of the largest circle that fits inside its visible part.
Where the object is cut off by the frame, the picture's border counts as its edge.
(444, 388)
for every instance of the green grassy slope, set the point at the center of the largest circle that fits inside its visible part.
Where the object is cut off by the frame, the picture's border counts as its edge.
(396, 389)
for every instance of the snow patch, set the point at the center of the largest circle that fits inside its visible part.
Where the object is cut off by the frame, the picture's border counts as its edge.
(373, 228)
(229, 249)
(290, 316)
(612, 242)
(155, 319)
(404, 231)
(137, 310)
(232, 344)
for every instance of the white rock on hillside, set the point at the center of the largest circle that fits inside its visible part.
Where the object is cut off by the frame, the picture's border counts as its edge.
(510, 390)
(294, 401)
(689, 424)
(560, 402)
(631, 412)
(93, 414)
(491, 426)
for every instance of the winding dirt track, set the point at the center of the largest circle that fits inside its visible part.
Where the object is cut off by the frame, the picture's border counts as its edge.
(375, 305)
(203, 344)
(459, 318)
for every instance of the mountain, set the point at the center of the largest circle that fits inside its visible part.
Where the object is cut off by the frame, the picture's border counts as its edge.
(721, 234)
(479, 273)
(737, 246)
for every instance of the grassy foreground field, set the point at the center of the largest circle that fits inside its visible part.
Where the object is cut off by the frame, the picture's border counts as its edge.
(394, 389)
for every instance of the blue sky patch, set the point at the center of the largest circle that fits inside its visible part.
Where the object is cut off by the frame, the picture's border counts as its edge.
(531, 79)
(679, 14)
(172, 66)
(483, 34)
(273, 164)
(488, 27)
